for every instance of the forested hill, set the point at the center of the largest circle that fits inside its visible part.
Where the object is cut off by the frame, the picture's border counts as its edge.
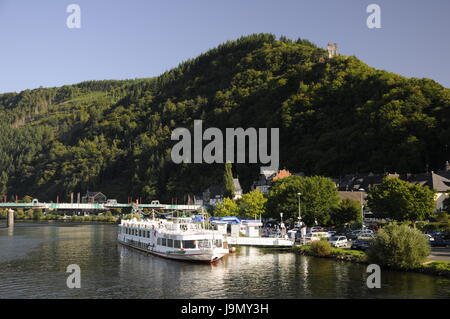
(335, 116)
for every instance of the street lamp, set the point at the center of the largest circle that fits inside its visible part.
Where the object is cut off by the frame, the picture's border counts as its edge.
(362, 208)
(299, 208)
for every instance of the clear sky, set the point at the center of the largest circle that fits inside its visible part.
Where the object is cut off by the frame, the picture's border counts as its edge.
(121, 39)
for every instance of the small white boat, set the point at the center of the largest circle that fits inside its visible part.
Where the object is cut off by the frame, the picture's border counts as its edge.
(178, 238)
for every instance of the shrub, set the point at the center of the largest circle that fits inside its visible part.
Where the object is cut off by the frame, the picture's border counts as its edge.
(398, 246)
(321, 248)
(37, 214)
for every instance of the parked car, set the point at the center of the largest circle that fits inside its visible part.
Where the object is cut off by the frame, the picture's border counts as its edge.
(316, 229)
(361, 243)
(332, 233)
(440, 242)
(361, 233)
(313, 236)
(434, 233)
(429, 237)
(338, 241)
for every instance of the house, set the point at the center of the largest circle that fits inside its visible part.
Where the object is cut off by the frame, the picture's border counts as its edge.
(356, 182)
(438, 181)
(263, 182)
(356, 196)
(94, 198)
(267, 177)
(237, 189)
(216, 193)
(198, 199)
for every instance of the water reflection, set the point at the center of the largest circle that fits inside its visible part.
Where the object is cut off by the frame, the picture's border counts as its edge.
(34, 257)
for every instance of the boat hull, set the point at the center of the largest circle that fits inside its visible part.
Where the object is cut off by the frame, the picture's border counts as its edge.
(201, 256)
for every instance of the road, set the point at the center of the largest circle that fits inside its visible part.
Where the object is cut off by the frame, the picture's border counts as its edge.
(440, 254)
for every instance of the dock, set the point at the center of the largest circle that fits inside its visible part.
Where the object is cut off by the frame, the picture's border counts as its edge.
(259, 241)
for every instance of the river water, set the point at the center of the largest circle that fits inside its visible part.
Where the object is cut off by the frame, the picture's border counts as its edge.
(34, 258)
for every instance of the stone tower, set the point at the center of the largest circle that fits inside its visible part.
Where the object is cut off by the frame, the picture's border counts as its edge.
(332, 50)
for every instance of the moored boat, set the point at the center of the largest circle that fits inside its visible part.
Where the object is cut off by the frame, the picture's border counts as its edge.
(178, 238)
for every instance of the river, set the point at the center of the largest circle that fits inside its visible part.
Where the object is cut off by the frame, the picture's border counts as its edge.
(34, 258)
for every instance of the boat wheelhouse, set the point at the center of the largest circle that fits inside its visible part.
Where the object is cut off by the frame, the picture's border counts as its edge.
(179, 238)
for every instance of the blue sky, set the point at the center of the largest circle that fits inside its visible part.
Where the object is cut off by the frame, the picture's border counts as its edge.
(142, 38)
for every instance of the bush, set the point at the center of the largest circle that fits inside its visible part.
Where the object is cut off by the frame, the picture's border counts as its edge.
(399, 246)
(321, 248)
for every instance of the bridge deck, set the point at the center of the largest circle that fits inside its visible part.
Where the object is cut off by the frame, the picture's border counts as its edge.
(75, 206)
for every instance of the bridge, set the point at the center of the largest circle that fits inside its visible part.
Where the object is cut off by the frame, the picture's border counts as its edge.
(35, 204)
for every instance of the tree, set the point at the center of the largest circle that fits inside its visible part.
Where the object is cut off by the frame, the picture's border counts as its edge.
(253, 203)
(347, 211)
(27, 199)
(447, 205)
(3, 183)
(319, 197)
(228, 181)
(398, 246)
(400, 200)
(227, 208)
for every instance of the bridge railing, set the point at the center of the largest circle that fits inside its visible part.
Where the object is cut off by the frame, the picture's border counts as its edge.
(93, 206)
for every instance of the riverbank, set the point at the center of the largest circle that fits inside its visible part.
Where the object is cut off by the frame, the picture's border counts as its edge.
(437, 268)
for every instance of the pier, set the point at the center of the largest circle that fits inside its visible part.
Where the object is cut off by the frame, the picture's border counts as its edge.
(10, 220)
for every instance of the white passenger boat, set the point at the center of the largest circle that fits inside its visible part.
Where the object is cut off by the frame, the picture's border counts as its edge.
(178, 238)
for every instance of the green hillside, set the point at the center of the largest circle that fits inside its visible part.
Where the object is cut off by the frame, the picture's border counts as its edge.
(335, 117)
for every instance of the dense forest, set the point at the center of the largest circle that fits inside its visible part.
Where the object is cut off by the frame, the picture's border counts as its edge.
(336, 116)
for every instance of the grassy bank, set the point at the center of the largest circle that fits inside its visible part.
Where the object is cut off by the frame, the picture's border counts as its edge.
(438, 268)
(356, 256)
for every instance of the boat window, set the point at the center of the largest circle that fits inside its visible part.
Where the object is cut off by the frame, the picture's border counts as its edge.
(164, 242)
(177, 243)
(140, 233)
(169, 242)
(204, 243)
(159, 241)
(189, 244)
(218, 243)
